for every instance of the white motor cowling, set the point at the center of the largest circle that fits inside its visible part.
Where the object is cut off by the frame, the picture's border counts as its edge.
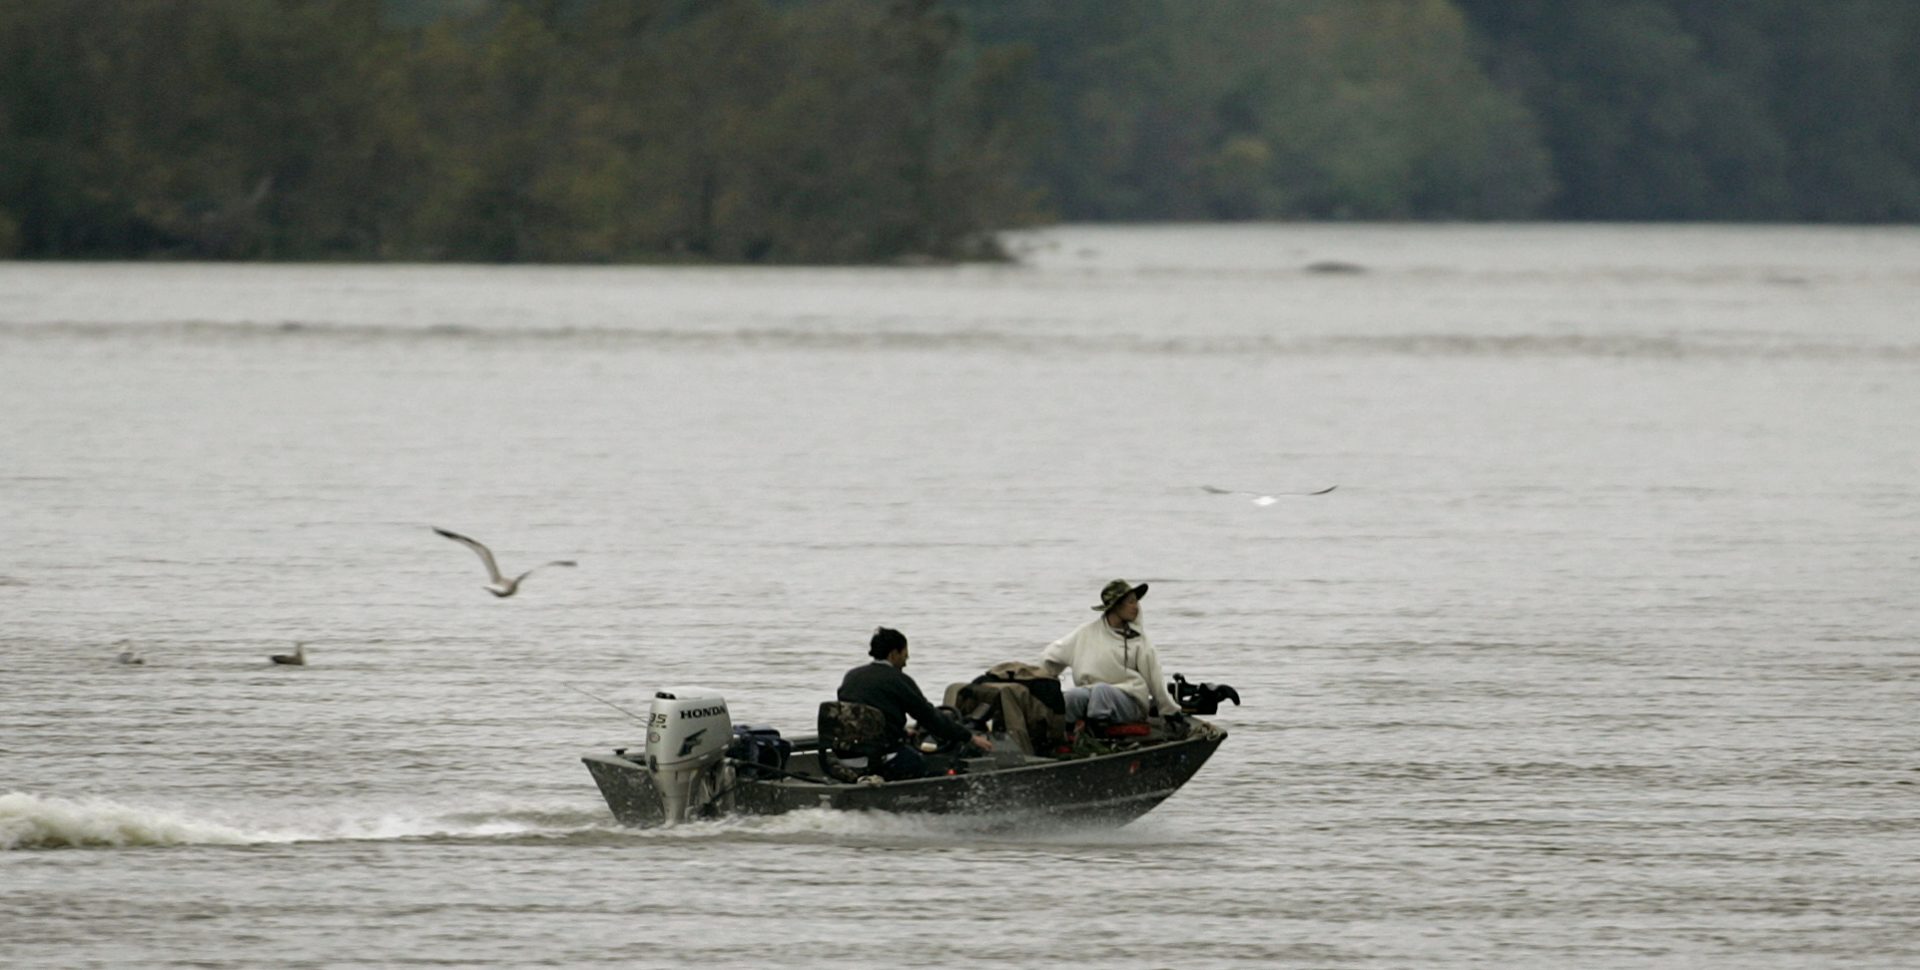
(688, 730)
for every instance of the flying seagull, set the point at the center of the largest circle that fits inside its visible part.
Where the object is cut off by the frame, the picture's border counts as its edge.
(501, 585)
(1262, 498)
(298, 658)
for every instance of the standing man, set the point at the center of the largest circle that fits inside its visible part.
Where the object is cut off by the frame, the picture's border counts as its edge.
(885, 685)
(1116, 671)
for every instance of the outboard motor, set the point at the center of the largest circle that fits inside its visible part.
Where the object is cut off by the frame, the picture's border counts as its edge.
(688, 730)
(1201, 698)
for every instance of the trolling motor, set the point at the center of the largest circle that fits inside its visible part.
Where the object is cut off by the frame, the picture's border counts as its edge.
(1201, 698)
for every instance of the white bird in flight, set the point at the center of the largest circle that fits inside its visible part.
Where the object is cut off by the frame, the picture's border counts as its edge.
(501, 585)
(1260, 498)
(298, 658)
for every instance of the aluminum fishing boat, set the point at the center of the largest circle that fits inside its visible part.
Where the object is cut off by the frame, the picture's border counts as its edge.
(696, 765)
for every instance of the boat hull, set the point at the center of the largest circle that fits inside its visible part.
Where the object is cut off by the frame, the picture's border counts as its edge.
(1113, 788)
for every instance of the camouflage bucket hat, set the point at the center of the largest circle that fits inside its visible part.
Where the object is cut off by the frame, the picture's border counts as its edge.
(1116, 591)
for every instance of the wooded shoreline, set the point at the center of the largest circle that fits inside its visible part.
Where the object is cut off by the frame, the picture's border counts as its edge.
(861, 131)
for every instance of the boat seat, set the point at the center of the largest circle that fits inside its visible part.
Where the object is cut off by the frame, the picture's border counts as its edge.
(852, 730)
(1150, 731)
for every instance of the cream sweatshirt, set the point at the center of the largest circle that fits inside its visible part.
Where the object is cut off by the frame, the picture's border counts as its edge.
(1098, 655)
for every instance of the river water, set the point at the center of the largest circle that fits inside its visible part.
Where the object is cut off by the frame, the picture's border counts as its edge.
(1604, 653)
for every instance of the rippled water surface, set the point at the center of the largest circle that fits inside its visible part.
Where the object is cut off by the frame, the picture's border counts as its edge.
(1604, 653)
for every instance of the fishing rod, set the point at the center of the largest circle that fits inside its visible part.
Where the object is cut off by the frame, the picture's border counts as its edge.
(782, 772)
(636, 717)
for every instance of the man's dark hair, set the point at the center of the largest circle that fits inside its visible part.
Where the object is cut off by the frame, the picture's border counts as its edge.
(885, 641)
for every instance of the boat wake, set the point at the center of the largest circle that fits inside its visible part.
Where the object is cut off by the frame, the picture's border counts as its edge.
(29, 821)
(38, 822)
(32, 822)
(875, 828)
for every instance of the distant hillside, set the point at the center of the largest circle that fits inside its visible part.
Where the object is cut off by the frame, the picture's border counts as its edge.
(873, 130)
(1389, 109)
(598, 130)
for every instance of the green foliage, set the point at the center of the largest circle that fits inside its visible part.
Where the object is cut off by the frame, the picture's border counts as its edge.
(201, 129)
(1380, 111)
(1579, 109)
(1724, 109)
(553, 130)
(1242, 109)
(827, 131)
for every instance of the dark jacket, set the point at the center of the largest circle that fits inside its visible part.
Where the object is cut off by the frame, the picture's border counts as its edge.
(882, 685)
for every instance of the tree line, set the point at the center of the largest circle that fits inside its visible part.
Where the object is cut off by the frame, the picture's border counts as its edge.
(596, 130)
(1474, 109)
(823, 131)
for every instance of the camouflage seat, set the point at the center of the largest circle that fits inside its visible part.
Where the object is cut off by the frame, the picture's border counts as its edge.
(852, 730)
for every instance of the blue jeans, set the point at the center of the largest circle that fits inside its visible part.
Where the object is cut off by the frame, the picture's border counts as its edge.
(1103, 702)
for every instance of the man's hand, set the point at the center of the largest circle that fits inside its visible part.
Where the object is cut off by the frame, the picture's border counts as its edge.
(980, 741)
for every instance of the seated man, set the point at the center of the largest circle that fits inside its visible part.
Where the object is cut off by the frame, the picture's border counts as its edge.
(1116, 671)
(884, 685)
